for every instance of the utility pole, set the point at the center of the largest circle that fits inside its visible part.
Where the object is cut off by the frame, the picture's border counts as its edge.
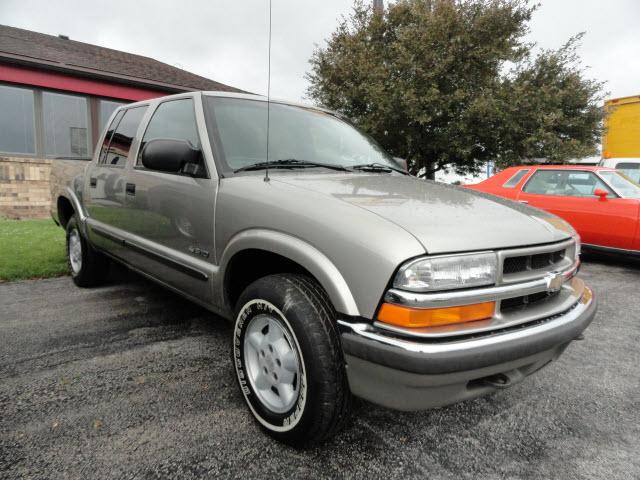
(378, 6)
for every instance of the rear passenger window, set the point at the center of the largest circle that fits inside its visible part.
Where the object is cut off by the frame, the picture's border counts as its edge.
(109, 134)
(120, 142)
(513, 181)
(172, 120)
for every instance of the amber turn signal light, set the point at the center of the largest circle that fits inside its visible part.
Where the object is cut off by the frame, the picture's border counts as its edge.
(401, 316)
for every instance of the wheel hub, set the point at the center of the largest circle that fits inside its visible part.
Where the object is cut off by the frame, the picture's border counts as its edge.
(75, 250)
(272, 363)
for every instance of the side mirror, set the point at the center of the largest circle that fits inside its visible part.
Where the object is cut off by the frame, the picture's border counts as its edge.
(167, 155)
(598, 192)
(402, 163)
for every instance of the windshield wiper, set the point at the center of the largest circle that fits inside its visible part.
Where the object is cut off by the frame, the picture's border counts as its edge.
(289, 163)
(378, 167)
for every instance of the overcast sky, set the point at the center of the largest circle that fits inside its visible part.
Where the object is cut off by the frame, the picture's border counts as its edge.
(226, 40)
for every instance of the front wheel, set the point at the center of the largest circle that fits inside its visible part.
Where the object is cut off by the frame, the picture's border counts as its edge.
(288, 359)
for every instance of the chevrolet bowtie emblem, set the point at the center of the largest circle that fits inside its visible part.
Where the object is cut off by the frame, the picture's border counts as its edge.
(554, 281)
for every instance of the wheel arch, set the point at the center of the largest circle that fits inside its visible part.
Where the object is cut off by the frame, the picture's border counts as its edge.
(257, 245)
(65, 210)
(68, 204)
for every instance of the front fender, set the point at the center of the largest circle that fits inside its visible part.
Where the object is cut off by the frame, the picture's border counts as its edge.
(299, 251)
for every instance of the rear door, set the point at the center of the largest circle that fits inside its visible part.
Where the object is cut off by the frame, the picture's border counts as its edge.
(105, 182)
(570, 195)
(170, 216)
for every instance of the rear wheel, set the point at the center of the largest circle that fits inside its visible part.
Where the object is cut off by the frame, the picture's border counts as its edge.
(288, 359)
(88, 267)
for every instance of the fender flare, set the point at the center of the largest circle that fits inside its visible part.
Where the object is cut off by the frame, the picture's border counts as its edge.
(77, 206)
(70, 195)
(299, 251)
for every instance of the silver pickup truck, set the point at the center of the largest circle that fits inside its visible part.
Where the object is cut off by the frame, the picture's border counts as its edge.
(343, 275)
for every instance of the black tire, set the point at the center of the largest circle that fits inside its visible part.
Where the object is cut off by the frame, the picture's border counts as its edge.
(323, 400)
(93, 266)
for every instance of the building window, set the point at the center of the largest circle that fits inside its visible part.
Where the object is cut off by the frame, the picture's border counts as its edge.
(66, 120)
(105, 109)
(17, 130)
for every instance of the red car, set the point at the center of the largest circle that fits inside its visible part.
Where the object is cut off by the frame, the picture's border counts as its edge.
(602, 204)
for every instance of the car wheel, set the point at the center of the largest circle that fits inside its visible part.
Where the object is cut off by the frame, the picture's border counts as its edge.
(88, 267)
(288, 359)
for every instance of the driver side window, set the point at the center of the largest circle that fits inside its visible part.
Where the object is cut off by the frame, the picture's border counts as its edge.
(565, 183)
(172, 120)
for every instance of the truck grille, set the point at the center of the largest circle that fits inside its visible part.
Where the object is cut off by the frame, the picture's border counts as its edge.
(547, 260)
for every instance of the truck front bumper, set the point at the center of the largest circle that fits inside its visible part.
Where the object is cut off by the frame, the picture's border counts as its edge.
(409, 374)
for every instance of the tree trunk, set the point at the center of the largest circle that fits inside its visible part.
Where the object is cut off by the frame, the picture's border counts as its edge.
(430, 173)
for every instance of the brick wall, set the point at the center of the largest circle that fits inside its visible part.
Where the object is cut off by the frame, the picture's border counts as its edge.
(24, 187)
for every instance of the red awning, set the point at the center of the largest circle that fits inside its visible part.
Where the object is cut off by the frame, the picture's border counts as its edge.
(60, 81)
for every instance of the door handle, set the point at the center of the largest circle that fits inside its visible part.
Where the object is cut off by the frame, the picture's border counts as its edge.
(131, 188)
(93, 181)
(523, 201)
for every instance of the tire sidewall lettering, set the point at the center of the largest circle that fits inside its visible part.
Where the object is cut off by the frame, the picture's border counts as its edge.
(272, 421)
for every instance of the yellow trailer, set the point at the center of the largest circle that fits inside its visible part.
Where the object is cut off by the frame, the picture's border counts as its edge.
(621, 138)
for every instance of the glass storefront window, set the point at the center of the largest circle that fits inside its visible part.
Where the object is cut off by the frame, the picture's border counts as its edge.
(66, 121)
(17, 129)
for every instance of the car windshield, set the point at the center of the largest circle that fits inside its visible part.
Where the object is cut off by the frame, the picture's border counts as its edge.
(239, 127)
(621, 184)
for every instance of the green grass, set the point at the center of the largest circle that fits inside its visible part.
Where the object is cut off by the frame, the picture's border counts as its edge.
(31, 249)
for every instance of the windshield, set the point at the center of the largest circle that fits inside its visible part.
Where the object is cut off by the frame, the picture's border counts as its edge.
(239, 127)
(621, 184)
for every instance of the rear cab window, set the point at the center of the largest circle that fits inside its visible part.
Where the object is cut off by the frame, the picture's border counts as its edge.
(515, 179)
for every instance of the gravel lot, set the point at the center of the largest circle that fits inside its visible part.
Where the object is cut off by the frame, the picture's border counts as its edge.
(129, 380)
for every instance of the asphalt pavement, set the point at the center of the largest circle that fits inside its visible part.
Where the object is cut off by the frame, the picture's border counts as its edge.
(130, 381)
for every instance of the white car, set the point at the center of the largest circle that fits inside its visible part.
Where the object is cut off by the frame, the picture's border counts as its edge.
(629, 166)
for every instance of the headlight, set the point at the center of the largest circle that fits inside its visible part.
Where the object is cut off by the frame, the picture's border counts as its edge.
(447, 272)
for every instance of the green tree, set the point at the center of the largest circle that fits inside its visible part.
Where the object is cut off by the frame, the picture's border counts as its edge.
(453, 83)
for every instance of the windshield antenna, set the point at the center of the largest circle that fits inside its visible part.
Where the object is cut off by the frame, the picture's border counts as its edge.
(266, 171)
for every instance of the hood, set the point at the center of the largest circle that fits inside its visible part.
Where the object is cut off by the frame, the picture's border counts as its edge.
(443, 218)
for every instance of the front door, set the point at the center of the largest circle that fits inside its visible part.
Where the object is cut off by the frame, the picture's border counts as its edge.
(170, 217)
